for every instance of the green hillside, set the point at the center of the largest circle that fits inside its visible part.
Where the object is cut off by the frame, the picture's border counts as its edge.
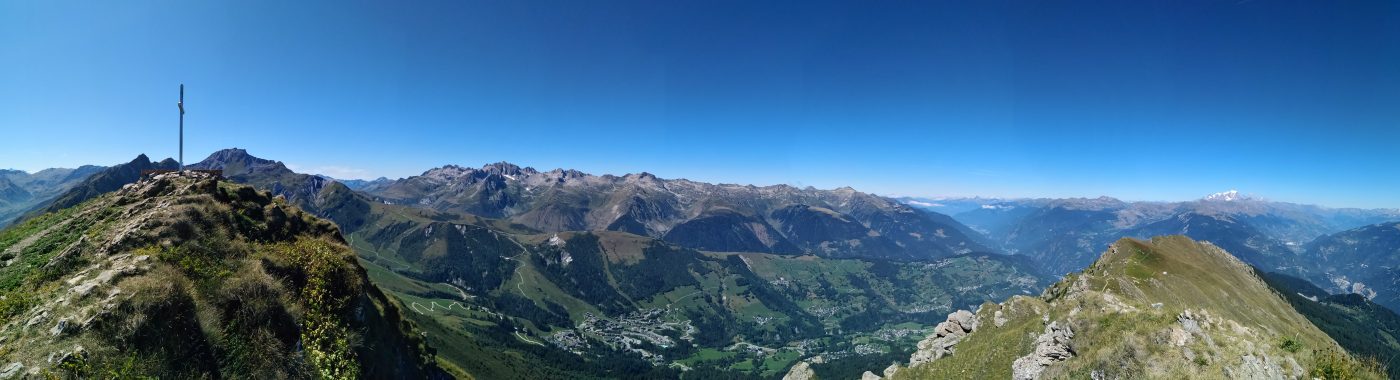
(1364, 328)
(1165, 308)
(189, 277)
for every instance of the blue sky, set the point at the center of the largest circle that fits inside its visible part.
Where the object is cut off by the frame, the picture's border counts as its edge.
(1291, 100)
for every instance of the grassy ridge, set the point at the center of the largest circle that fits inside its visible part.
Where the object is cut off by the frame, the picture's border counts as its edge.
(187, 278)
(1165, 308)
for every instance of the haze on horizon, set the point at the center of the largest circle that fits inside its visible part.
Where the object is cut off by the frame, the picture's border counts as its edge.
(1294, 102)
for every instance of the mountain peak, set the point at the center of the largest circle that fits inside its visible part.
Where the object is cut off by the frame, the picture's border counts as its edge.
(1227, 196)
(237, 160)
(506, 168)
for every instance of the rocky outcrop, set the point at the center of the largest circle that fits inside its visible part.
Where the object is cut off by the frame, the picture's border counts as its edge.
(891, 370)
(801, 371)
(1051, 347)
(1255, 367)
(945, 335)
(11, 370)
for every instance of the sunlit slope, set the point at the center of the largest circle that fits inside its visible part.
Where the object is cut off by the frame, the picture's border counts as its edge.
(1168, 307)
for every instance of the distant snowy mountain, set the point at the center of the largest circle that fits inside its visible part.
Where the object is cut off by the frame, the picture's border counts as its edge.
(1228, 196)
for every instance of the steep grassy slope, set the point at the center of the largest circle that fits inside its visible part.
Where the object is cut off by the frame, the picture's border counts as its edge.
(1165, 308)
(188, 277)
(1233, 234)
(1364, 328)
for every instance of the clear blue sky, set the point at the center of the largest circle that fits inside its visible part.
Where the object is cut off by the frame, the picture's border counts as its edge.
(1292, 100)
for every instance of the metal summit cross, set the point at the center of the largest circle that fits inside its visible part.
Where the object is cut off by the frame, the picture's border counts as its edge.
(181, 104)
(216, 173)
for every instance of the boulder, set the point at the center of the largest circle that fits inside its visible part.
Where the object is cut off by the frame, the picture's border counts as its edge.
(891, 370)
(1051, 347)
(945, 335)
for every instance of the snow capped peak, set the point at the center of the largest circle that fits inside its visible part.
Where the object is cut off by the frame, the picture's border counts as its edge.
(1227, 196)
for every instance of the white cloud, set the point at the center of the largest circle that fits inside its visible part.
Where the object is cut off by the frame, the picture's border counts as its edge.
(333, 171)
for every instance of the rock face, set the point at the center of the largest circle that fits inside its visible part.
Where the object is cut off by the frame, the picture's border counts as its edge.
(1051, 347)
(11, 370)
(1256, 367)
(945, 335)
(801, 371)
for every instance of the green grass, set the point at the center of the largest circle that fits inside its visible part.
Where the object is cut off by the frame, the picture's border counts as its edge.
(988, 353)
(707, 355)
(778, 362)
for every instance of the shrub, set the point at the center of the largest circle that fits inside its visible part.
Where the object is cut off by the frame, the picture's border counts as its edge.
(326, 295)
(1334, 365)
(1290, 344)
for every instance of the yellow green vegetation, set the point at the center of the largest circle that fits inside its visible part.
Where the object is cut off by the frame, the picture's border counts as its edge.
(326, 297)
(1168, 308)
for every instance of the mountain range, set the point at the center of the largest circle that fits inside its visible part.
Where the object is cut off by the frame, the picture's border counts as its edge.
(511, 272)
(716, 217)
(1277, 236)
(21, 191)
